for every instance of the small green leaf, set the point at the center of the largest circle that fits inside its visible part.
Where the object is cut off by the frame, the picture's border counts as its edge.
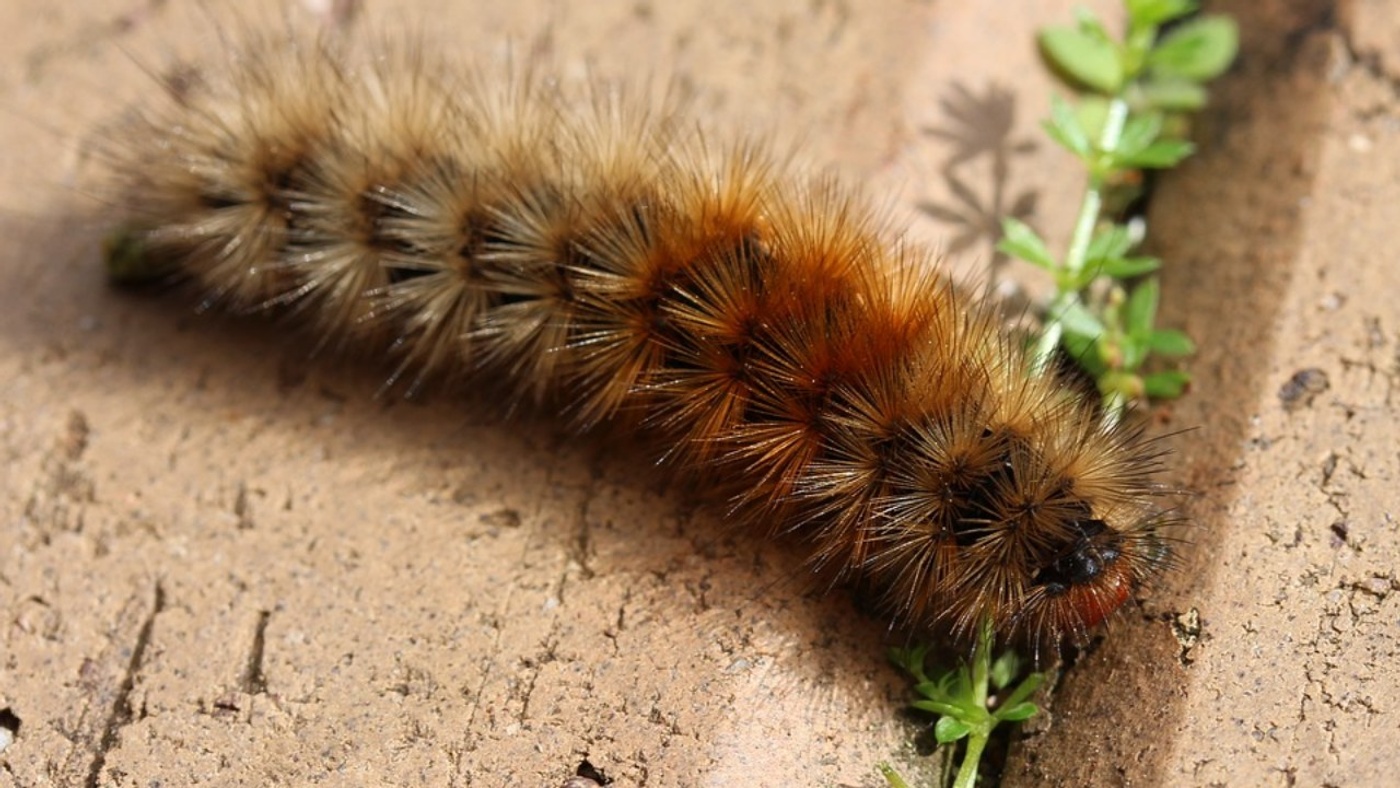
(1088, 23)
(1112, 241)
(929, 689)
(1170, 342)
(1200, 50)
(1132, 352)
(1087, 59)
(1159, 155)
(1081, 348)
(1140, 131)
(1141, 310)
(949, 684)
(950, 729)
(1027, 688)
(1128, 267)
(1064, 128)
(1005, 668)
(1151, 13)
(1092, 113)
(1077, 319)
(1166, 385)
(1017, 713)
(1172, 94)
(938, 707)
(1074, 283)
(1019, 240)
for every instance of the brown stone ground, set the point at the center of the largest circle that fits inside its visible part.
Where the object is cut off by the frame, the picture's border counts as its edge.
(225, 564)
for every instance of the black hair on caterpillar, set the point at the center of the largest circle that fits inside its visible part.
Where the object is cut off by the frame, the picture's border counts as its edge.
(781, 340)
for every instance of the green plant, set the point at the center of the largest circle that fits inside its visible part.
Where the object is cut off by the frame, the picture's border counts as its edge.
(1130, 116)
(964, 701)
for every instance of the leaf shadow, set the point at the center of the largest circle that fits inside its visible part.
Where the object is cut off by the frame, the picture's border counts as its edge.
(976, 127)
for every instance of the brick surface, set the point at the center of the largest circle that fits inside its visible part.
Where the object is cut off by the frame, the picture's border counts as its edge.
(223, 561)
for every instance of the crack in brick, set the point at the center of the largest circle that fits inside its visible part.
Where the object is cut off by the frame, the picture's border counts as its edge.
(581, 544)
(253, 681)
(534, 666)
(121, 713)
(242, 508)
(490, 659)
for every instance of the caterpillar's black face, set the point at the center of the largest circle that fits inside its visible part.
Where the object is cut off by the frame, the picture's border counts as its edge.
(1084, 561)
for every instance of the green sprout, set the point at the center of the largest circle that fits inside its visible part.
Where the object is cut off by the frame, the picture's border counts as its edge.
(1131, 112)
(964, 702)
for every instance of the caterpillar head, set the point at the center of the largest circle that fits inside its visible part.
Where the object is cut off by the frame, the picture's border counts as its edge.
(1040, 527)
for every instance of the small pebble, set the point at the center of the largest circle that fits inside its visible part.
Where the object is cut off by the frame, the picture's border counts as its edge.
(1303, 388)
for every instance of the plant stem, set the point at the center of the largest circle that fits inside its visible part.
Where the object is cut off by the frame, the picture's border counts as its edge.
(982, 663)
(982, 731)
(1077, 255)
(891, 776)
(967, 773)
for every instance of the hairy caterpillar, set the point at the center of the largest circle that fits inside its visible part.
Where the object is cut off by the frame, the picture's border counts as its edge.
(788, 346)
